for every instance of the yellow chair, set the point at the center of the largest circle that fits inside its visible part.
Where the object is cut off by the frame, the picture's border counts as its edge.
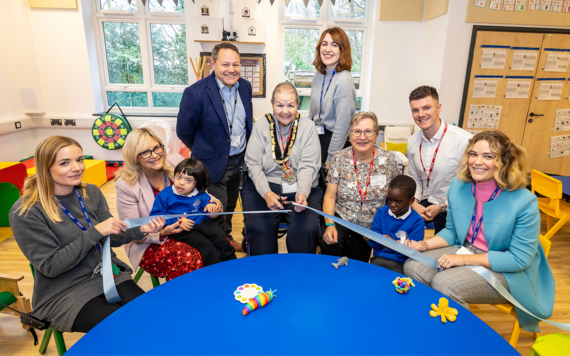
(510, 309)
(552, 205)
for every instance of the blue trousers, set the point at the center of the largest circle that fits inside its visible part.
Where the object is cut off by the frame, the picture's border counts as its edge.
(302, 228)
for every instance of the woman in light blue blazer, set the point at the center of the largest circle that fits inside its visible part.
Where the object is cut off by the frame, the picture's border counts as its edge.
(493, 222)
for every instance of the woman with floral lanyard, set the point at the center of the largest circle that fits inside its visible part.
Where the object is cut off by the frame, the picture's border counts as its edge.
(357, 187)
(283, 159)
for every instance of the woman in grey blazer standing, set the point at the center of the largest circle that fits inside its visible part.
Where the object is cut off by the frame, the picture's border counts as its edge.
(333, 95)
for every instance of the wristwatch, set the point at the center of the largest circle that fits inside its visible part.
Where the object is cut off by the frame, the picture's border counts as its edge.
(443, 207)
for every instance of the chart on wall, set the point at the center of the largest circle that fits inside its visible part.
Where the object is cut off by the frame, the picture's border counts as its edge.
(560, 146)
(562, 120)
(484, 116)
(253, 69)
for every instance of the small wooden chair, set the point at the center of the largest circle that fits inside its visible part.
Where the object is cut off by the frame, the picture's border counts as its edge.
(9, 288)
(552, 205)
(154, 279)
(57, 335)
(510, 309)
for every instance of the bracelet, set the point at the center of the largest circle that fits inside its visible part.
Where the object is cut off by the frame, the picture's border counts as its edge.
(330, 224)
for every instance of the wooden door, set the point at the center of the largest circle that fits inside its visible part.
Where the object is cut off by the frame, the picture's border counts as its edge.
(539, 129)
(514, 111)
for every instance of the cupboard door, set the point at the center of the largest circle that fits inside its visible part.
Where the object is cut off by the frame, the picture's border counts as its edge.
(540, 120)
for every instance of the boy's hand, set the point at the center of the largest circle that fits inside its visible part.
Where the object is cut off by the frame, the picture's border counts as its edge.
(186, 224)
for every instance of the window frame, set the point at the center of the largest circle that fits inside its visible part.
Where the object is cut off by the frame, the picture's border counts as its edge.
(144, 18)
(323, 22)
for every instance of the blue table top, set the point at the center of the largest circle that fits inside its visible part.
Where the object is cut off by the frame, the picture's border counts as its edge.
(317, 310)
(565, 183)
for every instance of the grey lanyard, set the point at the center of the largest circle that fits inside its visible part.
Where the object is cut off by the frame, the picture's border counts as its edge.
(230, 122)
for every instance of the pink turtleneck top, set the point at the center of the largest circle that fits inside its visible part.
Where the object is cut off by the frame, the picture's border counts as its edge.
(484, 192)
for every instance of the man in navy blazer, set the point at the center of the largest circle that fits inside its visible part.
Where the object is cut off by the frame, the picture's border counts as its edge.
(214, 122)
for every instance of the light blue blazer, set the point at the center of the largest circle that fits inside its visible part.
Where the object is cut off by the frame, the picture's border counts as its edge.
(511, 224)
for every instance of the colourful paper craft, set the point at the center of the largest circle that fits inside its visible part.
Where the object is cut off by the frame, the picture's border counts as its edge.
(444, 311)
(244, 293)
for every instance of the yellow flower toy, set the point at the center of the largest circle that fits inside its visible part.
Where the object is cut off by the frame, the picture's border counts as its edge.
(444, 311)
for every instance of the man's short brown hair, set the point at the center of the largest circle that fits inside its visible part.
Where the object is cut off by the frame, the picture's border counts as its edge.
(223, 45)
(423, 92)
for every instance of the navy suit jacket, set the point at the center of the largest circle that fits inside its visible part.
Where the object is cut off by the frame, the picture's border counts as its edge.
(202, 124)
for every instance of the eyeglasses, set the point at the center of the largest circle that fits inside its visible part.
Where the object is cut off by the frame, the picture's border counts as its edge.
(158, 150)
(357, 133)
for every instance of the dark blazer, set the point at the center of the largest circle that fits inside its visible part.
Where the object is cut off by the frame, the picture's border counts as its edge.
(202, 124)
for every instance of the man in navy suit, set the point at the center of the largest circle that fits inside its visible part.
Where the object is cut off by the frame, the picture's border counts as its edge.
(214, 122)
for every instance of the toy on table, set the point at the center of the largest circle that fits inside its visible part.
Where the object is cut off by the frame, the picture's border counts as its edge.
(259, 301)
(402, 284)
(444, 311)
(244, 293)
(341, 261)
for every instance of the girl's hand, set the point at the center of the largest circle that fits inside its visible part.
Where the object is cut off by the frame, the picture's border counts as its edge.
(301, 199)
(273, 201)
(448, 261)
(154, 225)
(186, 224)
(331, 235)
(171, 229)
(111, 226)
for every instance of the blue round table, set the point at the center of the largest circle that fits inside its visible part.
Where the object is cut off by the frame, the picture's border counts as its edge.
(317, 310)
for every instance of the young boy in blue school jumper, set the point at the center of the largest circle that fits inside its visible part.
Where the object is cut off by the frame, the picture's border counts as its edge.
(393, 219)
(188, 195)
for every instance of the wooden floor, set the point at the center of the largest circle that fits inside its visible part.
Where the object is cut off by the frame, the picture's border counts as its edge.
(16, 341)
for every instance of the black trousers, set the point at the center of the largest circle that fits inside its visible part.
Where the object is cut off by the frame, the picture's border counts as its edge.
(397, 267)
(302, 228)
(439, 220)
(325, 140)
(350, 244)
(227, 191)
(97, 309)
(210, 240)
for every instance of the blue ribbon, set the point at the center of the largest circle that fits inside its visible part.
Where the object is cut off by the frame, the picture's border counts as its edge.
(420, 257)
(144, 221)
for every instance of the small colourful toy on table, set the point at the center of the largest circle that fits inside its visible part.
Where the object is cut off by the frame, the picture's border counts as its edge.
(444, 311)
(403, 284)
(254, 296)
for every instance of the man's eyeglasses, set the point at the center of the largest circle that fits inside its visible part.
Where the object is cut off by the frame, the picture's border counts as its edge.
(158, 150)
(357, 133)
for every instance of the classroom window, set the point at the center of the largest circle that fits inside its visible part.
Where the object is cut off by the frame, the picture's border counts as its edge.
(345, 9)
(297, 8)
(143, 54)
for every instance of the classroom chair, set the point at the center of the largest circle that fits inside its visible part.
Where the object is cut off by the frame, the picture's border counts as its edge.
(552, 205)
(154, 279)
(510, 309)
(57, 335)
(396, 138)
(10, 295)
(163, 130)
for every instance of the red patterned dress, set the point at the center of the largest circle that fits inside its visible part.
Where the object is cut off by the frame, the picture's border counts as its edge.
(171, 259)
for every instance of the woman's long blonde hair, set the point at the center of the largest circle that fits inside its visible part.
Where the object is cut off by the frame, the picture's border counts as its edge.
(510, 160)
(138, 141)
(41, 186)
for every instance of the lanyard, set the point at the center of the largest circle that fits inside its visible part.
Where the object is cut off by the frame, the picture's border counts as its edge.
(323, 88)
(226, 110)
(362, 195)
(284, 144)
(476, 228)
(434, 156)
(70, 215)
